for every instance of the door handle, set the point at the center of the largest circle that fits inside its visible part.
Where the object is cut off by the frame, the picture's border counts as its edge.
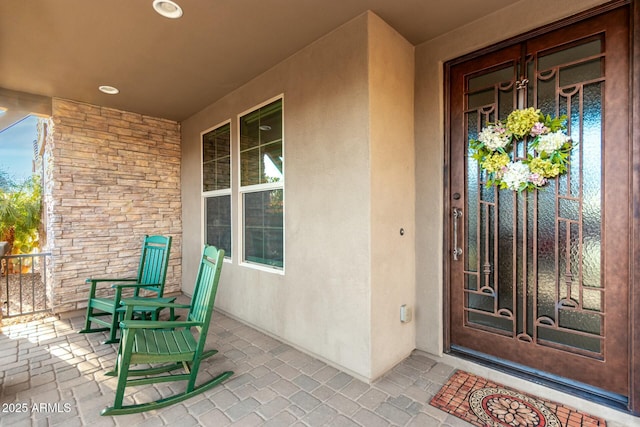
(457, 251)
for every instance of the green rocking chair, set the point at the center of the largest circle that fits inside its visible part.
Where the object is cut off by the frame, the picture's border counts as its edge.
(168, 345)
(152, 272)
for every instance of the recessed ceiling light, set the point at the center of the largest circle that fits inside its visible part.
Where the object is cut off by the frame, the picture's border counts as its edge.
(109, 90)
(265, 127)
(167, 8)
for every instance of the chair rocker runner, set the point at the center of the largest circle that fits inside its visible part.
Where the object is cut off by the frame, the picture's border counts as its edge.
(152, 273)
(169, 345)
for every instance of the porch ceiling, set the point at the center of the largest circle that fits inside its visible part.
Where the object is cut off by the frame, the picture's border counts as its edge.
(174, 68)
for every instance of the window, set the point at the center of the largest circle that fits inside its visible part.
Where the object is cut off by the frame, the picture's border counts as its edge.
(262, 185)
(216, 186)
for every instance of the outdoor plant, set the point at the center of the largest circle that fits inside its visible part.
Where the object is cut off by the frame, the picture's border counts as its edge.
(20, 207)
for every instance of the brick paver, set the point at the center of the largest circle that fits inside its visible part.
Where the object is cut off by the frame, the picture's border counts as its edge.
(50, 375)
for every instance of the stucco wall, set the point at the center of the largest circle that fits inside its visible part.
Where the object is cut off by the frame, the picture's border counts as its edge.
(429, 115)
(112, 177)
(323, 301)
(391, 86)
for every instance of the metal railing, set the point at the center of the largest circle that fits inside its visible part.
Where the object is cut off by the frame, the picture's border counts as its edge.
(23, 284)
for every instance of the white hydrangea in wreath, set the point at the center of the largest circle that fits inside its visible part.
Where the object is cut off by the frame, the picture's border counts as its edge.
(548, 147)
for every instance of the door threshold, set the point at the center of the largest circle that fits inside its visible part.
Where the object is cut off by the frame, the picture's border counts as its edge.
(561, 384)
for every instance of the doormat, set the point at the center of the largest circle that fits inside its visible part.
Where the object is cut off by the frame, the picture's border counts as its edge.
(487, 404)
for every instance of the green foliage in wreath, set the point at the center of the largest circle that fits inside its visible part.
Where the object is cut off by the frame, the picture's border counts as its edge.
(549, 150)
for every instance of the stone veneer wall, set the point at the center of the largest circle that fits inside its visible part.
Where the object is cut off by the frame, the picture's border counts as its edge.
(45, 137)
(112, 177)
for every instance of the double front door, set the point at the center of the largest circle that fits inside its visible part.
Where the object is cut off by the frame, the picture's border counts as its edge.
(541, 278)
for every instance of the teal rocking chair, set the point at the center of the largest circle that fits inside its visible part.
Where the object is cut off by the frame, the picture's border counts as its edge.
(165, 346)
(152, 272)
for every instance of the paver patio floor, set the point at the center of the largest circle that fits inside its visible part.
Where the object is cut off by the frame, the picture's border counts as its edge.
(51, 375)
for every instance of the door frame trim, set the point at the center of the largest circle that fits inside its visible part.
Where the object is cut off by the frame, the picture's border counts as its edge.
(633, 405)
(634, 265)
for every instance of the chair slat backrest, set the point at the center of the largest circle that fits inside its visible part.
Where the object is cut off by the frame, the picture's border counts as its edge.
(206, 287)
(153, 263)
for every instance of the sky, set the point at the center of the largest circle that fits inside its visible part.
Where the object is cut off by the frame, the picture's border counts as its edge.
(16, 148)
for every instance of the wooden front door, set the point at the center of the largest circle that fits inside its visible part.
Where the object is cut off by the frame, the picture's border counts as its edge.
(541, 278)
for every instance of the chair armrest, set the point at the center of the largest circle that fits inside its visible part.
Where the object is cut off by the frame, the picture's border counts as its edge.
(117, 279)
(161, 324)
(93, 284)
(133, 285)
(149, 302)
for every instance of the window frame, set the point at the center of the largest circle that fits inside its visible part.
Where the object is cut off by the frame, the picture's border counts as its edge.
(255, 188)
(205, 195)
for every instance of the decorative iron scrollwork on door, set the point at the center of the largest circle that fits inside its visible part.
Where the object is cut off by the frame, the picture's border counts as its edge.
(532, 260)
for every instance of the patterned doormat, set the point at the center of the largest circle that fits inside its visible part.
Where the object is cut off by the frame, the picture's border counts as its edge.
(484, 403)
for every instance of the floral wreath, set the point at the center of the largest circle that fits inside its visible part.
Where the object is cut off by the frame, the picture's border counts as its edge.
(547, 152)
